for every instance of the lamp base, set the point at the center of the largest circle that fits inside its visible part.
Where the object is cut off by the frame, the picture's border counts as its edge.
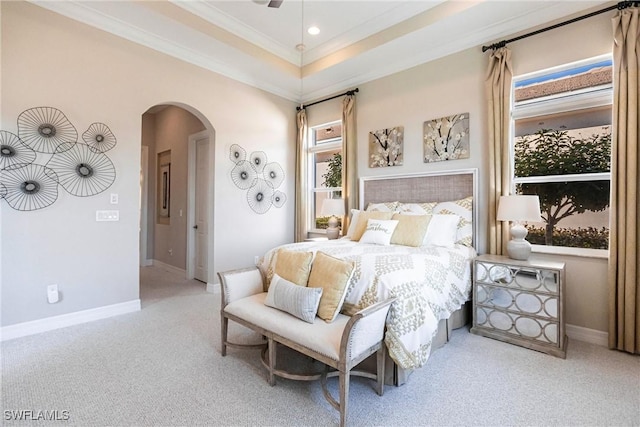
(333, 231)
(517, 247)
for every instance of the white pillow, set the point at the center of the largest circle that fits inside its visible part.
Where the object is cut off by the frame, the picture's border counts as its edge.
(442, 231)
(353, 223)
(464, 209)
(297, 300)
(416, 208)
(379, 231)
(382, 207)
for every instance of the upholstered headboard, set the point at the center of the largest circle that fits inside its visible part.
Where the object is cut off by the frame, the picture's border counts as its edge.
(422, 187)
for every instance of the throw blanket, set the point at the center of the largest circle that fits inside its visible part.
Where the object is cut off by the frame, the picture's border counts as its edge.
(429, 282)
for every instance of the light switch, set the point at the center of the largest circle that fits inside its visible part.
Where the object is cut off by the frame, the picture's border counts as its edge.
(107, 215)
(114, 198)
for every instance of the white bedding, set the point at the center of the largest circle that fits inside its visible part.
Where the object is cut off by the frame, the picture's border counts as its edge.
(429, 282)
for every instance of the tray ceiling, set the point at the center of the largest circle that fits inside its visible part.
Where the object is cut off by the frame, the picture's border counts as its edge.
(359, 40)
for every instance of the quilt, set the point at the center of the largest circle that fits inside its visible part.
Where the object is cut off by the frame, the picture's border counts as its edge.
(428, 282)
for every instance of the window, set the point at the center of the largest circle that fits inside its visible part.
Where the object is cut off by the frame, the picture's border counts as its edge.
(562, 152)
(325, 171)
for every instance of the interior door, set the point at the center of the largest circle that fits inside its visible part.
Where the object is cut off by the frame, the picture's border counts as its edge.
(201, 227)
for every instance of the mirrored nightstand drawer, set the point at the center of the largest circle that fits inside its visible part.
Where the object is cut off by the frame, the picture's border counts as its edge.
(520, 302)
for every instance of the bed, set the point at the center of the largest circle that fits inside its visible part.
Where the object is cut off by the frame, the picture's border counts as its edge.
(432, 283)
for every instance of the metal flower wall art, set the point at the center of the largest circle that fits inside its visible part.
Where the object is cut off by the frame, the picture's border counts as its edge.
(386, 147)
(258, 177)
(446, 138)
(46, 154)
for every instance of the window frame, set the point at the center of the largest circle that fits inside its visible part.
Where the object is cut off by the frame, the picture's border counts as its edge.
(314, 148)
(582, 99)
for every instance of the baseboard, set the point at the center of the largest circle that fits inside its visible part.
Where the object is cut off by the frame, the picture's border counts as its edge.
(169, 268)
(146, 262)
(214, 288)
(591, 336)
(62, 321)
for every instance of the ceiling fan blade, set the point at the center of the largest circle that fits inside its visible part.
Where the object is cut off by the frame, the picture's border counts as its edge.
(275, 3)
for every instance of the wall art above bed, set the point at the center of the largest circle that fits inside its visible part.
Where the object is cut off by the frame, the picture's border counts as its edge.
(259, 178)
(386, 147)
(46, 154)
(446, 138)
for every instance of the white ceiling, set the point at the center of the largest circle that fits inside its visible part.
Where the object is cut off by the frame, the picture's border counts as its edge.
(360, 40)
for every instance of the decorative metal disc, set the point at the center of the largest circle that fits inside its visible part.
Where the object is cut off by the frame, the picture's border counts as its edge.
(29, 186)
(243, 175)
(259, 196)
(45, 128)
(258, 160)
(81, 170)
(99, 137)
(279, 199)
(13, 151)
(237, 154)
(273, 174)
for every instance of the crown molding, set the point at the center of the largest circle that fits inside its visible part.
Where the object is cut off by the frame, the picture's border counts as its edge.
(223, 20)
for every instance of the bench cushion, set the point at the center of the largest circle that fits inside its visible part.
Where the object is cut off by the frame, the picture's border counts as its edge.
(319, 336)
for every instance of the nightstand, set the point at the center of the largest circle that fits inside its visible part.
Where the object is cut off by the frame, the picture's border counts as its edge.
(520, 302)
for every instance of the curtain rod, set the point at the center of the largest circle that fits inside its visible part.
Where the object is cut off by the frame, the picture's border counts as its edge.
(620, 6)
(349, 92)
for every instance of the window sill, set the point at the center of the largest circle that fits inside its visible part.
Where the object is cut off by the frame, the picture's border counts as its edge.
(579, 252)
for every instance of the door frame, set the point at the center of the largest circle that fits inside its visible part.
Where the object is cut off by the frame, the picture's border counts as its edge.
(144, 207)
(191, 201)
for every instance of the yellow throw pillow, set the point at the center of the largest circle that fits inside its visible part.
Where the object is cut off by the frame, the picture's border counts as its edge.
(294, 266)
(332, 275)
(363, 217)
(410, 230)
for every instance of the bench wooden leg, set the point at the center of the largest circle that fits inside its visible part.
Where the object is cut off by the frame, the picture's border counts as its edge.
(224, 324)
(380, 359)
(272, 360)
(344, 397)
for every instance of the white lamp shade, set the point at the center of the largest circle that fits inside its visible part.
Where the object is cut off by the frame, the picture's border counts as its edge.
(519, 208)
(332, 207)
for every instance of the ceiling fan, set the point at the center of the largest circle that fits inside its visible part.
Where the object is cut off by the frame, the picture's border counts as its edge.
(271, 3)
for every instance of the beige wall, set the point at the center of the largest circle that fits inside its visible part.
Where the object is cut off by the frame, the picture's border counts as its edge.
(92, 76)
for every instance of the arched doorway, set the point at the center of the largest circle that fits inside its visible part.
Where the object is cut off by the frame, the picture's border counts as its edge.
(177, 190)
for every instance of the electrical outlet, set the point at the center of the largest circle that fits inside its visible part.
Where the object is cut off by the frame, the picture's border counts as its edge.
(256, 259)
(52, 294)
(114, 199)
(170, 252)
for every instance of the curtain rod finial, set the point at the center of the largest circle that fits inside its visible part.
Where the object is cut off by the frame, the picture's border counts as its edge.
(494, 46)
(625, 4)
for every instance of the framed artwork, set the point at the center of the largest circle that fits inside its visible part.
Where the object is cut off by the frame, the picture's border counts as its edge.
(386, 147)
(446, 138)
(165, 190)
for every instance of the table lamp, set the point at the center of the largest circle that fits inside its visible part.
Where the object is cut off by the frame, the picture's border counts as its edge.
(333, 208)
(517, 209)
